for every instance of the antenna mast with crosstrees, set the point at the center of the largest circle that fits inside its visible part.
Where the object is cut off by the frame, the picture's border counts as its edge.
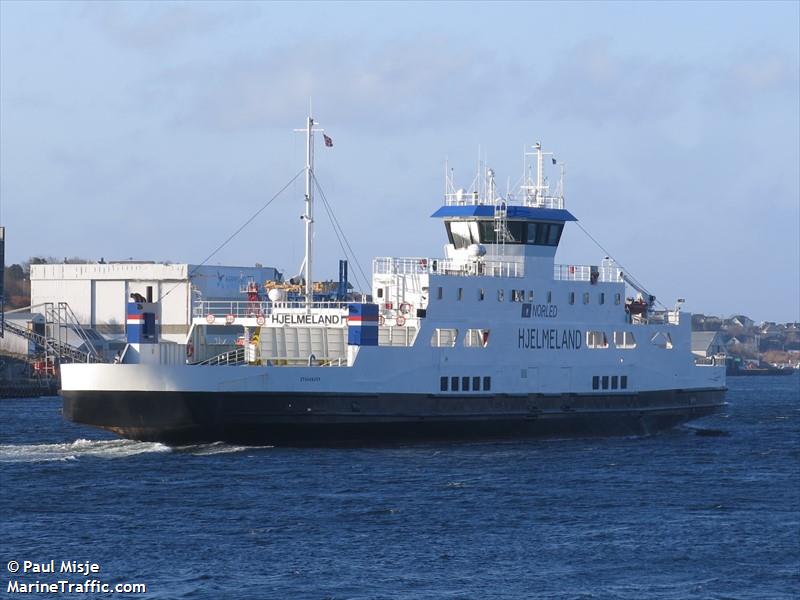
(308, 215)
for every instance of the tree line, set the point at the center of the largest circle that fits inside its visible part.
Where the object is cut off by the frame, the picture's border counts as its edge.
(17, 278)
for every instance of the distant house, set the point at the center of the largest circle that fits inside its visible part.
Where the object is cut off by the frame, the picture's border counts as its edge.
(771, 329)
(707, 343)
(15, 344)
(734, 341)
(701, 322)
(743, 342)
(771, 342)
(741, 321)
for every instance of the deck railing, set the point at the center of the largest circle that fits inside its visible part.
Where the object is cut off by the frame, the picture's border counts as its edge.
(227, 309)
(446, 266)
(462, 198)
(590, 273)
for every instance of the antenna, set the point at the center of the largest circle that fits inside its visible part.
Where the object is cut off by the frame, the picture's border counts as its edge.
(308, 215)
(539, 172)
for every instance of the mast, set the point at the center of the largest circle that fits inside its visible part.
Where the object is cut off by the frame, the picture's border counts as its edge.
(539, 173)
(308, 217)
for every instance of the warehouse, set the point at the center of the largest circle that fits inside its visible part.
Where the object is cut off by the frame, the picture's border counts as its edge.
(98, 293)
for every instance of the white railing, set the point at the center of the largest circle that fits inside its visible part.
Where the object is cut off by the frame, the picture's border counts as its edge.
(224, 309)
(670, 317)
(473, 199)
(590, 273)
(446, 266)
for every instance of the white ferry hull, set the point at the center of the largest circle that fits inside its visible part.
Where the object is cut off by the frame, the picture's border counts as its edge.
(268, 417)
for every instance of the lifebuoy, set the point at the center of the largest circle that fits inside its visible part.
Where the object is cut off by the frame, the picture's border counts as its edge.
(423, 263)
(405, 308)
(381, 320)
(401, 320)
(260, 320)
(189, 350)
(210, 319)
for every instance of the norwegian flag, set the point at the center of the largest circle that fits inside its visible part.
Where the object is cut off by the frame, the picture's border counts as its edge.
(328, 141)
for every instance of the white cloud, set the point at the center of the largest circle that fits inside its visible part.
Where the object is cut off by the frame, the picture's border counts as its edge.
(410, 82)
(750, 78)
(592, 83)
(154, 27)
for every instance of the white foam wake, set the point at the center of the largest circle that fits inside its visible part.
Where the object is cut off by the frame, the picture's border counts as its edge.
(215, 448)
(74, 450)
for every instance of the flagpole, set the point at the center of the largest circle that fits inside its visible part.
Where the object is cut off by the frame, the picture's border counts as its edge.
(308, 216)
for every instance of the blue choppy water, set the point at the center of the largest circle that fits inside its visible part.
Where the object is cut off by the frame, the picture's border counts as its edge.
(709, 510)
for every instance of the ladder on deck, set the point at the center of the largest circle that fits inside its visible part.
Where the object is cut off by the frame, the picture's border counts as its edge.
(59, 321)
(501, 223)
(55, 350)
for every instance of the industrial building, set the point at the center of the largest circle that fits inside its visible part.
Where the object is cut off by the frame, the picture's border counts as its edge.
(98, 293)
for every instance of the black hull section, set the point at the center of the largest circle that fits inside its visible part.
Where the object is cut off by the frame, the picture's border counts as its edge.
(300, 419)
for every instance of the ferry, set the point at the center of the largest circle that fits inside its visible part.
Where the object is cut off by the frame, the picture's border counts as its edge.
(493, 339)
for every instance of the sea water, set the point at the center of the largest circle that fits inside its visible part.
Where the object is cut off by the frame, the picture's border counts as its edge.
(707, 510)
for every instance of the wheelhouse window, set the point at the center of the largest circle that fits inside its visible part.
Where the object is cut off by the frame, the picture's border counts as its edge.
(487, 232)
(462, 233)
(516, 232)
(544, 234)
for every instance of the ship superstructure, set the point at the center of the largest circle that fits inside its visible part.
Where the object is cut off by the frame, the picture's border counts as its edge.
(494, 338)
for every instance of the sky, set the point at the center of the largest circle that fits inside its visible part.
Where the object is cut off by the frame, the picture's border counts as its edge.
(154, 130)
